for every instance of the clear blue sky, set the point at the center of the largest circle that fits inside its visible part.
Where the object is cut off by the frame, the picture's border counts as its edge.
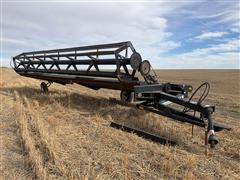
(171, 34)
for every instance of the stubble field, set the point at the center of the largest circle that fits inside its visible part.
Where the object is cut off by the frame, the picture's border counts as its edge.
(65, 134)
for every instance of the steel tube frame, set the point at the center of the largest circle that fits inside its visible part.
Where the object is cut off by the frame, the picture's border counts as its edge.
(68, 62)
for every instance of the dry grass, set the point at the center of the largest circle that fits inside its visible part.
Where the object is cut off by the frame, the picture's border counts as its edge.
(65, 134)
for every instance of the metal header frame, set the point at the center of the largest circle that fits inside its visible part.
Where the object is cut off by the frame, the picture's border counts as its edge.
(81, 62)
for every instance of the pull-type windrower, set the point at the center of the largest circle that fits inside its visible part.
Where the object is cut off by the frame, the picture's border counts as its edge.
(92, 66)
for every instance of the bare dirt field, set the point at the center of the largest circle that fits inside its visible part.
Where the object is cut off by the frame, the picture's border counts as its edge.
(65, 134)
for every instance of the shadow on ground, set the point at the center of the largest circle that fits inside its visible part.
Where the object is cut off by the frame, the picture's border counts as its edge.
(94, 105)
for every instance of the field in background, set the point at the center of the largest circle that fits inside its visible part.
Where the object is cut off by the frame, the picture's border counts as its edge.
(65, 134)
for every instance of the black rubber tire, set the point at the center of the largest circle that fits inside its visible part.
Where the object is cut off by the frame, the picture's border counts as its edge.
(44, 87)
(127, 96)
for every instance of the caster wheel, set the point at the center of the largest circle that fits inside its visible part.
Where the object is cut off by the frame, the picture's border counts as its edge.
(126, 96)
(43, 87)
